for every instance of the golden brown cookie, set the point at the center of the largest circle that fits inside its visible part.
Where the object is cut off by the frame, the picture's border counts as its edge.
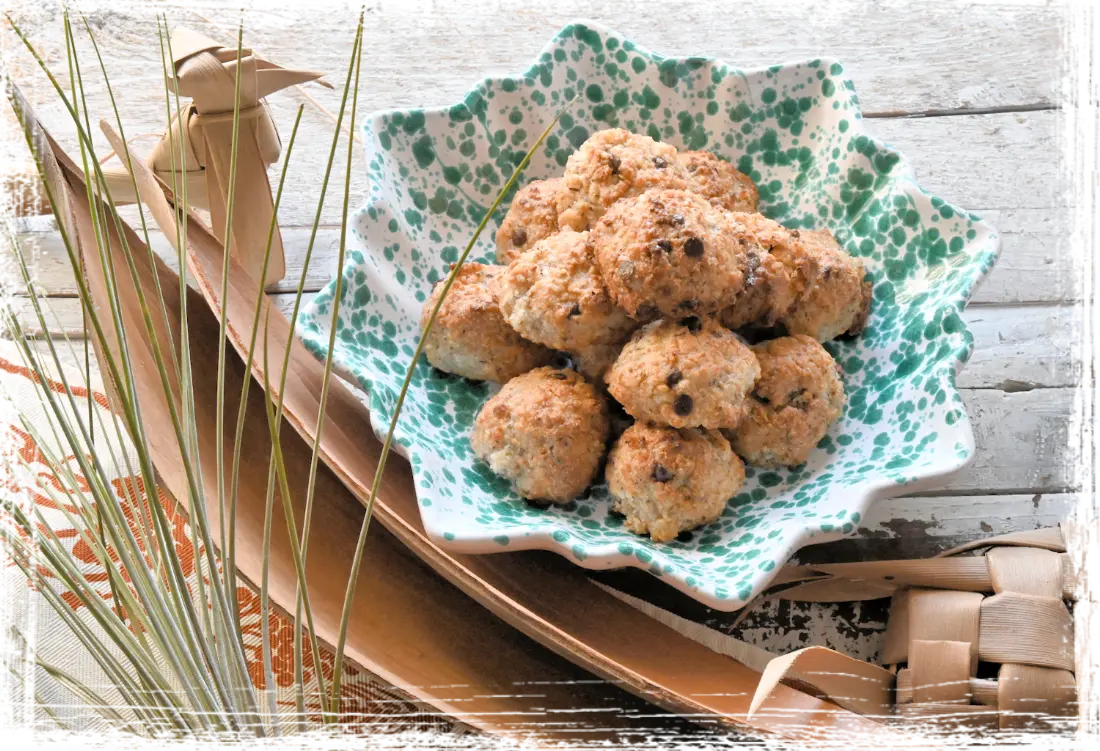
(667, 481)
(546, 432)
(553, 294)
(470, 337)
(719, 181)
(838, 300)
(686, 373)
(612, 165)
(669, 252)
(798, 396)
(532, 216)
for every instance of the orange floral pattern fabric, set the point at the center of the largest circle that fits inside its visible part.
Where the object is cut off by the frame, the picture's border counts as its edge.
(27, 471)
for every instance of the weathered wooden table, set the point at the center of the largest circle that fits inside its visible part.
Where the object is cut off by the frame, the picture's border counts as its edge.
(967, 94)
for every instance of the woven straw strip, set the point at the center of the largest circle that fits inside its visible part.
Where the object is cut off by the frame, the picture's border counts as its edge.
(940, 672)
(1028, 571)
(968, 574)
(1048, 538)
(1025, 691)
(983, 690)
(1086, 619)
(971, 716)
(1081, 575)
(1027, 630)
(895, 643)
(1081, 537)
(940, 615)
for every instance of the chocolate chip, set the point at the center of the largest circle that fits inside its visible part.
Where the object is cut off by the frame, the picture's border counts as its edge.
(828, 272)
(693, 247)
(678, 219)
(645, 311)
(561, 361)
(664, 245)
(673, 378)
(683, 405)
(692, 323)
(795, 233)
(760, 398)
(575, 310)
(661, 474)
(798, 399)
(615, 163)
(519, 237)
(685, 536)
(659, 162)
(559, 376)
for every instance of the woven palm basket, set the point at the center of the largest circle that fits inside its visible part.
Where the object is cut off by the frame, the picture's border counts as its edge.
(980, 636)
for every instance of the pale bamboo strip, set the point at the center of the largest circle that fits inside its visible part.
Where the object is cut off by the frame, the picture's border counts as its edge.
(984, 691)
(940, 671)
(1081, 537)
(969, 574)
(1081, 575)
(1017, 628)
(1027, 694)
(981, 691)
(937, 615)
(895, 643)
(849, 683)
(1048, 538)
(951, 716)
(1029, 571)
(1085, 665)
(904, 686)
(835, 589)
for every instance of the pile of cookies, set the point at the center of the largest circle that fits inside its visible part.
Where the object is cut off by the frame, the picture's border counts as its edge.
(640, 276)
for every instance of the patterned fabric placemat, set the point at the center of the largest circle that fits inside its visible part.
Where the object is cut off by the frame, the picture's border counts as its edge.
(36, 631)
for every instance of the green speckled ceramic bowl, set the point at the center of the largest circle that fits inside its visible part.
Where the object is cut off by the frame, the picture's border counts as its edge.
(796, 129)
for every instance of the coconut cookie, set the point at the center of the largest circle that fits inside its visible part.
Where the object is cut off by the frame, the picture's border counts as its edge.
(839, 299)
(612, 165)
(667, 481)
(719, 181)
(669, 252)
(546, 432)
(470, 337)
(595, 360)
(688, 372)
(553, 294)
(798, 396)
(779, 269)
(532, 216)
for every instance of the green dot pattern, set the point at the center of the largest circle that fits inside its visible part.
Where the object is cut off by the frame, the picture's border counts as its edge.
(797, 131)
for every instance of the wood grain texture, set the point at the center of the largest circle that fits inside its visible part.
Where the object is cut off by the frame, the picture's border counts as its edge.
(1016, 348)
(973, 64)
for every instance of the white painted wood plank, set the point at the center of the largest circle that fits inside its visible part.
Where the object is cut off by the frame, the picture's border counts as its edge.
(1016, 348)
(422, 52)
(1035, 264)
(1022, 442)
(992, 161)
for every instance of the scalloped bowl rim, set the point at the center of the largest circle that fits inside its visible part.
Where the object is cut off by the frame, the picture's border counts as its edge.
(605, 557)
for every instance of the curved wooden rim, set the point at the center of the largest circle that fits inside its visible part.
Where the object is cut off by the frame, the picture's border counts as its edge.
(540, 594)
